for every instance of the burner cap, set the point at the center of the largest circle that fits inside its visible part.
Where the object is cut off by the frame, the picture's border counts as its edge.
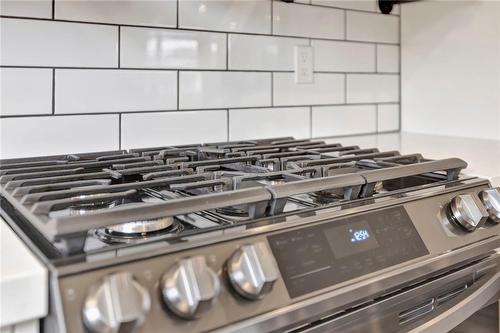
(138, 230)
(232, 211)
(141, 227)
(87, 207)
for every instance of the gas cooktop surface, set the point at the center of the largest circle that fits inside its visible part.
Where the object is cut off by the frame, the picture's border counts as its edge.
(117, 202)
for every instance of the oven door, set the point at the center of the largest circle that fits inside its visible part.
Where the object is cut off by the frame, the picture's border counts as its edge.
(437, 305)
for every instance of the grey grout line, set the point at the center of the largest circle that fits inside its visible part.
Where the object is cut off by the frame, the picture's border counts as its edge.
(350, 135)
(178, 90)
(345, 88)
(310, 122)
(198, 29)
(196, 70)
(272, 89)
(228, 134)
(177, 14)
(120, 131)
(376, 119)
(345, 24)
(341, 8)
(376, 58)
(53, 91)
(272, 16)
(196, 109)
(227, 52)
(400, 70)
(119, 47)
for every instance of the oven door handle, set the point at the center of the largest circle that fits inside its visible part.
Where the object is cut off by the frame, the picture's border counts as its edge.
(455, 315)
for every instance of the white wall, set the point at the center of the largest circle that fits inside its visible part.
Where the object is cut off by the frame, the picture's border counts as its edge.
(92, 75)
(451, 68)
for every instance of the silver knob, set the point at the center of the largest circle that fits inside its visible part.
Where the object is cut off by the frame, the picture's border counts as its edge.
(190, 287)
(118, 304)
(252, 270)
(491, 200)
(468, 211)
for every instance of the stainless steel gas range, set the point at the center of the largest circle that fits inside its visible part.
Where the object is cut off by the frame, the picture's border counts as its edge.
(256, 236)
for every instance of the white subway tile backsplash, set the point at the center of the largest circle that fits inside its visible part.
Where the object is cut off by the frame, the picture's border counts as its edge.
(26, 8)
(134, 12)
(94, 90)
(270, 122)
(249, 52)
(226, 15)
(307, 21)
(372, 88)
(388, 58)
(25, 91)
(343, 56)
(343, 120)
(49, 135)
(48, 43)
(367, 5)
(326, 89)
(166, 48)
(212, 90)
(388, 117)
(172, 128)
(191, 71)
(372, 27)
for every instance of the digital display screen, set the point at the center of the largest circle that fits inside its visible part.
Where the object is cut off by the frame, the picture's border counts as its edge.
(321, 255)
(351, 239)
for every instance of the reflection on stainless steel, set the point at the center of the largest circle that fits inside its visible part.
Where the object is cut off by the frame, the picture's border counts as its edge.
(252, 270)
(467, 211)
(117, 304)
(190, 287)
(491, 200)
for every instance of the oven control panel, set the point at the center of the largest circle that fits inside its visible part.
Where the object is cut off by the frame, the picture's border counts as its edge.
(322, 255)
(219, 284)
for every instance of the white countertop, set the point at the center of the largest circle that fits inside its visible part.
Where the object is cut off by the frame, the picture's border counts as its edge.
(482, 156)
(23, 279)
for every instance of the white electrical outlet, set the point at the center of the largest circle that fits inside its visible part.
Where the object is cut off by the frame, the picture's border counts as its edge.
(304, 64)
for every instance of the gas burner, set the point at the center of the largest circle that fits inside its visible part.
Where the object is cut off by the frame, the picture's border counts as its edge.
(235, 213)
(326, 197)
(131, 232)
(141, 227)
(88, 207)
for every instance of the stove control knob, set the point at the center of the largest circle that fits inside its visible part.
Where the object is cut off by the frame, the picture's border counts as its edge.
(252, 270)
(467, 211)
(491, 200)
(190, 287)
(118, 304)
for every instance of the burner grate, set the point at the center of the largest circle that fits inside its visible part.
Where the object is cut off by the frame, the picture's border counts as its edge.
(218, 183)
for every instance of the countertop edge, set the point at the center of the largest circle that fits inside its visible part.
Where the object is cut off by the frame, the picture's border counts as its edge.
(23, 281)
